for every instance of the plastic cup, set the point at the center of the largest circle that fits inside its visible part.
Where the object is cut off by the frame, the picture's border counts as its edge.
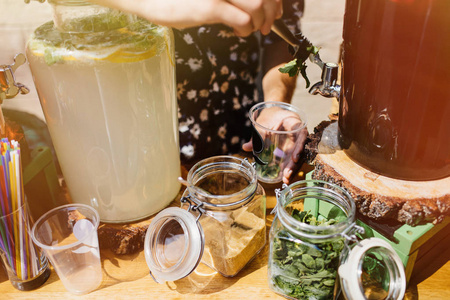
(68, 236)
(25, 263)
(276, 129)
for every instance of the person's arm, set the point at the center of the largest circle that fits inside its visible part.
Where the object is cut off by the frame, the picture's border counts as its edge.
(244, 16)
(277, 86)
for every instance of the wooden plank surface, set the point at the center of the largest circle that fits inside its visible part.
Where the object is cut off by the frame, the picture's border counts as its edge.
(127, 277)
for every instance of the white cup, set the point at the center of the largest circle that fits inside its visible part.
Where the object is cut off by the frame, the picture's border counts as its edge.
(68, 236)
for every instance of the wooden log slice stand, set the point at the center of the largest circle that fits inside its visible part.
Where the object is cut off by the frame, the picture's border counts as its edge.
(126, 238)
(379, 197)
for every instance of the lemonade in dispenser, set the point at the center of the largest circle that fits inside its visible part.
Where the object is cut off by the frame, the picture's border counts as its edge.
(106, 83)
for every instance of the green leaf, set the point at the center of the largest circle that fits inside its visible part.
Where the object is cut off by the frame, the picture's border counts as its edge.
(329, 282)
(301, 267)
(309, 261)
(320, 263)
(313, 251)
(313, 264)
(322, 274)
(290, 68)
(291, 271)
(294, 67)
(313, 49)
(51, 58)
(303, 72)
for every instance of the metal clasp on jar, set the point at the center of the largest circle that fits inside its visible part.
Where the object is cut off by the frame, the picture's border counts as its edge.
(278, 194)
(350, 233)
(192, 206)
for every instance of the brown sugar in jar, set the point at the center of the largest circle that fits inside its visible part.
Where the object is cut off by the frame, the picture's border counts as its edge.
(223, 226)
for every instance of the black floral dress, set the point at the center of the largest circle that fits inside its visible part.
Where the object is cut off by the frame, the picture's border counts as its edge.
(218, 81)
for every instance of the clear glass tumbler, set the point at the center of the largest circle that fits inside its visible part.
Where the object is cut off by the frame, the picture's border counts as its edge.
(277, 127)
(25, 264)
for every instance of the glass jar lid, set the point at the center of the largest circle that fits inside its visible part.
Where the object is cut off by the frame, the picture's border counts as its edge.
(174, 244)
(372, 269)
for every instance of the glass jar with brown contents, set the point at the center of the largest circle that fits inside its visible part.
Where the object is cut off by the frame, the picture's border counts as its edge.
(224, 225)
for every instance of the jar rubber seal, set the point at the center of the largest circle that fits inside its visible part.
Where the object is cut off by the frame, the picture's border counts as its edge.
(174, 245)
(350, 276)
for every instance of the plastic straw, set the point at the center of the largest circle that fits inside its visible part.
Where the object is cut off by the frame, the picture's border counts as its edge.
(15, 240)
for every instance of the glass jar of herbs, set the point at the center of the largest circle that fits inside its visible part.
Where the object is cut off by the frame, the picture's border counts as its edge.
(222, 222)
(314, 241)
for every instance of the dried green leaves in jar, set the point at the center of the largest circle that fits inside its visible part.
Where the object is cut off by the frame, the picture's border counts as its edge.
(302, 270)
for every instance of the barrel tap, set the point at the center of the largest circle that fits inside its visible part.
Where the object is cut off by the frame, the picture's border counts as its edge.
(328, 86)
(9, 87)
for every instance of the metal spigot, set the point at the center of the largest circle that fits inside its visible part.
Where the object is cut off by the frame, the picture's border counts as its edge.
(328, 87)
(9, 88)
(8, 85)
(301, 47)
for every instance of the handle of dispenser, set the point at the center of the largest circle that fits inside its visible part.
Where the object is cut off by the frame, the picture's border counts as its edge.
(8, 85)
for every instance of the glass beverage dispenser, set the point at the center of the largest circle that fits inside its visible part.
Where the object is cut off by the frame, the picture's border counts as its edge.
(106, 82)
(394, 114)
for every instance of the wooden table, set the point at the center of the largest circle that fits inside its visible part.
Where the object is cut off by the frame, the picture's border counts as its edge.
(127, 277)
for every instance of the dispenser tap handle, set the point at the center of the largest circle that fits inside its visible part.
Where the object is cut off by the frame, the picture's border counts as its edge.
(8, 85)
(315, 58)
(328, 87)
(19, 60)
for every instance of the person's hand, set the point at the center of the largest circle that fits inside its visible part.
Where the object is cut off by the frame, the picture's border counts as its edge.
(284, 120)
(244, 16)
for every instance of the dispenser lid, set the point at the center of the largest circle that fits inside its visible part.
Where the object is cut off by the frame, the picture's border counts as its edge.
(173, 244)
(373, 266)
